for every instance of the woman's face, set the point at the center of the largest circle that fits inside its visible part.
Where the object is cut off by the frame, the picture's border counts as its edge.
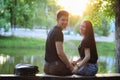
(82, 29)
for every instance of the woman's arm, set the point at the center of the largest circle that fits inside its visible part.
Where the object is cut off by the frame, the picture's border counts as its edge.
(86, 58)
(84, 61)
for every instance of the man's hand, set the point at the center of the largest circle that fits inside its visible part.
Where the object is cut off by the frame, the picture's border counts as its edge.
(75, 70)
(71, 67)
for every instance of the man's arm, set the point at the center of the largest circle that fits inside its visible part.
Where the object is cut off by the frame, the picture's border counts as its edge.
(61, 54)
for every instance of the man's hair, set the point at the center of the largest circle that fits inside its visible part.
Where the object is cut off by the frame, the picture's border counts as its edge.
(62, 13)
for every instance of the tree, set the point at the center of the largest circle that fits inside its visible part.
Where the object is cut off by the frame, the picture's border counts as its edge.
(4, 16)
(16, 12)
(117, 34)
(103, 29)
(23, 13)
(112, 11)
(100, 14)
(27, 13)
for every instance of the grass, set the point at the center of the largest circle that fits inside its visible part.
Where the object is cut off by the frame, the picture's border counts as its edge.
(106, 48)
(18, 45)
(19, 42)
(29, 46)
(103, 48)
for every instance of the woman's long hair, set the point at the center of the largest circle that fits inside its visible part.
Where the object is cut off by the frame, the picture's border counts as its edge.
(89, 41)
(89, 34)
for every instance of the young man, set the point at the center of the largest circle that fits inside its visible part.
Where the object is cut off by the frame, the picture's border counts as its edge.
(56, 62)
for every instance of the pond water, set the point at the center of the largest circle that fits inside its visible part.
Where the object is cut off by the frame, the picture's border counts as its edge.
(106, 64)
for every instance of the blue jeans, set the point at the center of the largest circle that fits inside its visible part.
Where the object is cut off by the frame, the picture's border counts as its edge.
(88, 70)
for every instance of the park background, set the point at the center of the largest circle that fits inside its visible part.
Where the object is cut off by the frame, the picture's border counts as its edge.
(24, 25)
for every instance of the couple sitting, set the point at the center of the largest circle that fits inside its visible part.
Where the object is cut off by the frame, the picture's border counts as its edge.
(57, 63)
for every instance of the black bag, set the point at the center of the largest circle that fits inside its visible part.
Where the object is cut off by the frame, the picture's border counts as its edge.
(25, 70)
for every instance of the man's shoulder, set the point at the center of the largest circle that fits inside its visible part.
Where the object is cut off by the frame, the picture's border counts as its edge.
(57, 29)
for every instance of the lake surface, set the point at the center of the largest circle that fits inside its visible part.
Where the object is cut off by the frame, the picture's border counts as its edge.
(106, 64)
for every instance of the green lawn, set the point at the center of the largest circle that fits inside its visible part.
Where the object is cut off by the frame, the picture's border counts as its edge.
(30, 46)
(103, 48)
(19, 45)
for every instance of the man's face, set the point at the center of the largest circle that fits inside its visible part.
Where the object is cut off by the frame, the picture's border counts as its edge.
(62, 22)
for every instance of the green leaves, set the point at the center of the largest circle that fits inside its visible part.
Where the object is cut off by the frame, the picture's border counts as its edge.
(98, 9)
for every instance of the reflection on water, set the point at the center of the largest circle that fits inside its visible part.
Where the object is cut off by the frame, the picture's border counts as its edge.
(3, 59)
(109, 61)
(7, 63)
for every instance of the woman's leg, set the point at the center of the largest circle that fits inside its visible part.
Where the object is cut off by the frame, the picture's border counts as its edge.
(92, 69)
(88, 70)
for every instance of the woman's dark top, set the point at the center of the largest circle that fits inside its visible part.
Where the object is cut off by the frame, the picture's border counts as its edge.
(93, 52)
(50, 50)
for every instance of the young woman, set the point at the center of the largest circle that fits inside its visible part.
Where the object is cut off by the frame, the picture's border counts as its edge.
(86, 65)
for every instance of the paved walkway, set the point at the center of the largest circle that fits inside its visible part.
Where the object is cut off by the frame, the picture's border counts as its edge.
(38, 33)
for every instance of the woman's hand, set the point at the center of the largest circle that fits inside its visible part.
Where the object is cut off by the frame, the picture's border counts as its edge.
(74, 63)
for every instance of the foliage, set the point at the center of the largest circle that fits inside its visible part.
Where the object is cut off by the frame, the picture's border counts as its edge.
(16, 12)
(104, 29)
(45, 11)
(42, 13)
(27, 13)
(4, 14)
(100, 13)
(98, 9)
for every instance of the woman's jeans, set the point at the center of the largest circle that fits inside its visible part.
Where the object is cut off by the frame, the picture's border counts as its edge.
(88, 70)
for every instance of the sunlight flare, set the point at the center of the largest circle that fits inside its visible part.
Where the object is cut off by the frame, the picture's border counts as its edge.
(75, 7)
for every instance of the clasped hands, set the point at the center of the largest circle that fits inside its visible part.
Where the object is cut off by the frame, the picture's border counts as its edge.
(75, 67)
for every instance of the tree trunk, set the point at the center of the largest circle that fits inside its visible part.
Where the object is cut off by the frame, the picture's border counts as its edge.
(117, 34)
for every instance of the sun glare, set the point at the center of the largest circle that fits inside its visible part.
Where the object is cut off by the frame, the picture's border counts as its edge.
(75, 7)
